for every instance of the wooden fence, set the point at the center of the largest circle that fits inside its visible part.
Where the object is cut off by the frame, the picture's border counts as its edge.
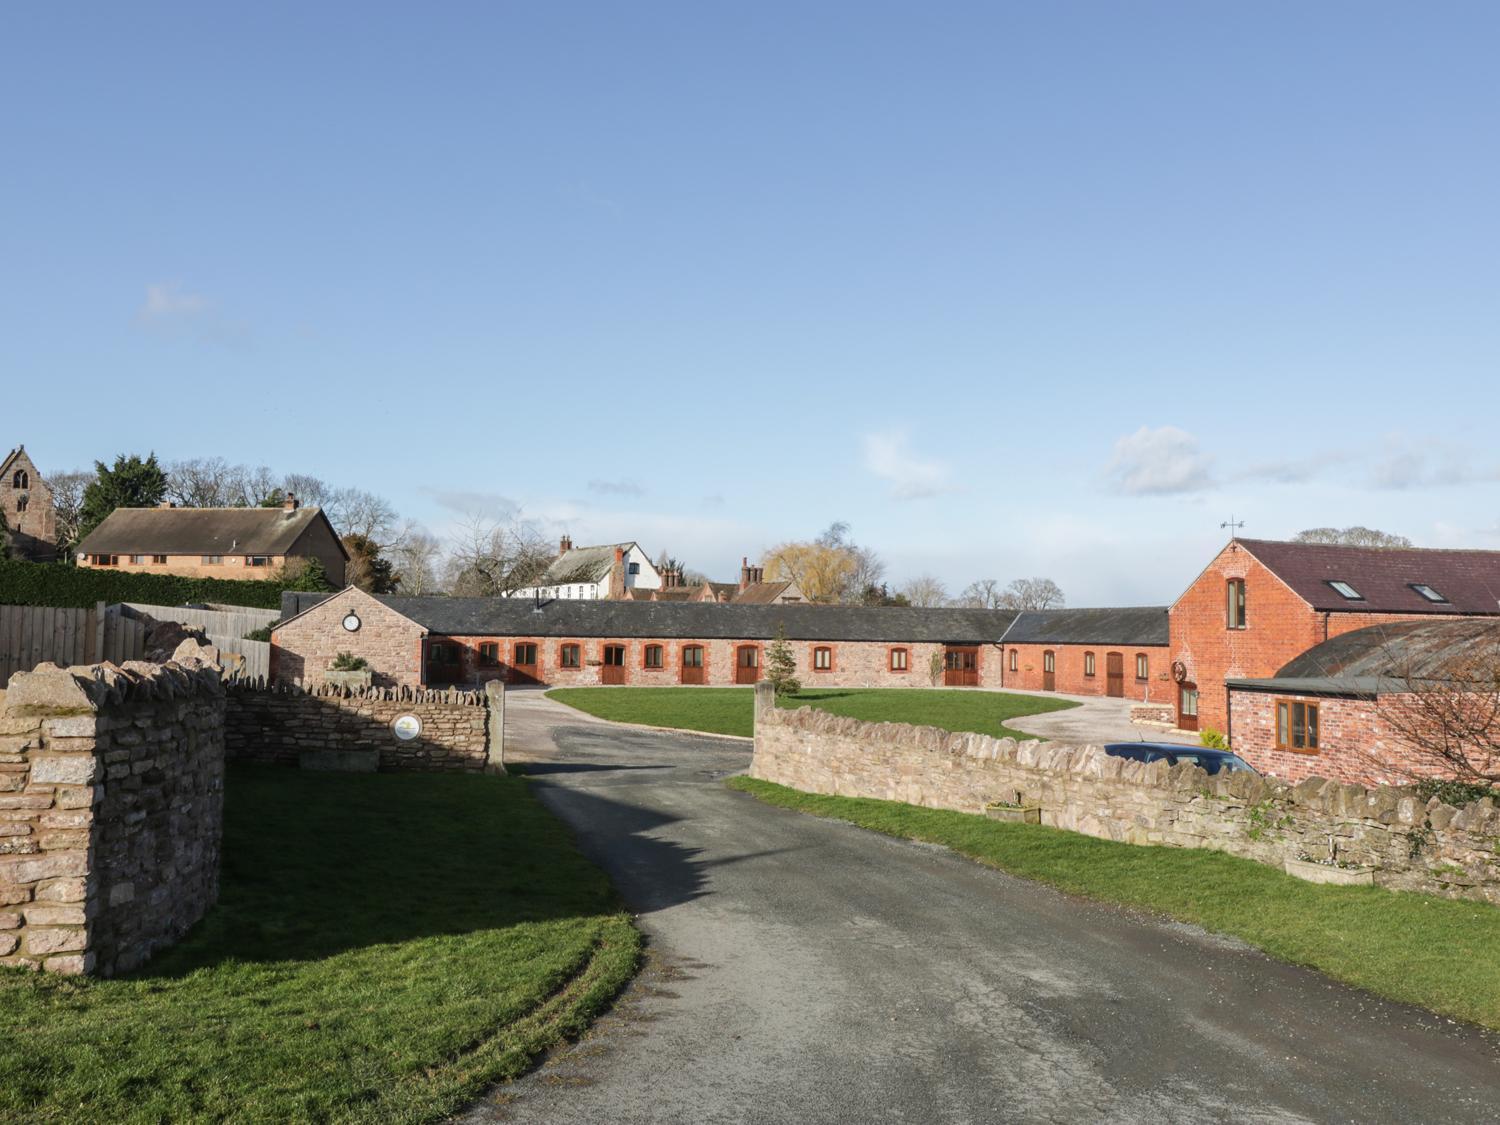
(30, 635)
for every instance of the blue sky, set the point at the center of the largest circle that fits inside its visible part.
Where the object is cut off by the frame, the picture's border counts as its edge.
(1011, 288)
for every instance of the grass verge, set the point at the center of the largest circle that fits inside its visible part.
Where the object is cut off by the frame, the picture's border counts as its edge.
(731, 710)
(384, 947)
(1439, 953)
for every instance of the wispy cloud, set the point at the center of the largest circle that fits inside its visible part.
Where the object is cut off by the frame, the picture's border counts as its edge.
(616, 488)
(167, 304)
(1160, 462)
(1295, 470)
(889, 456)
(490, 505)
(1429, 463)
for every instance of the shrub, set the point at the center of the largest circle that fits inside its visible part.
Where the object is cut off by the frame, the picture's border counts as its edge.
(64, 586)
(1455, 793)
(1213, 739)
(261, 634)
(781, 665)
(348, 662)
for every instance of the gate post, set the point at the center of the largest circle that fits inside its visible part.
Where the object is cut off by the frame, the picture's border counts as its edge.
(494, 697)
(765, 700)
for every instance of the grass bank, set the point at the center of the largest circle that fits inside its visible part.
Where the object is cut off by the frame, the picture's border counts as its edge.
(1441, 954)
(384, 947)
(730, 710)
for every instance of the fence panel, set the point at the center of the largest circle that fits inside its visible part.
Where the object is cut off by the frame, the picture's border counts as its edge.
(32, 634)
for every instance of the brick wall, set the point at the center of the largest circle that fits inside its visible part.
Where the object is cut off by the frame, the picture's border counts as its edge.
(304, 648)
(278, 725)
(1085, 790)
(1071, 666)
(111, 808)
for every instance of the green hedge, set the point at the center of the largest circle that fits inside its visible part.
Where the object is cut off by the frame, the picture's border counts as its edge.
(62, 585)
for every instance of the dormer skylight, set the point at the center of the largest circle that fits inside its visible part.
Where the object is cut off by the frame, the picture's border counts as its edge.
(1344, 590)
(1428, 592)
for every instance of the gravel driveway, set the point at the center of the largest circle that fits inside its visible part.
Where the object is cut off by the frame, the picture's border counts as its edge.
(803, 970)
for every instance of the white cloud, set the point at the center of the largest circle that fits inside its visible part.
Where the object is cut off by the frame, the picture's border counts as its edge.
(1295, 470)
(616, 488)
(167, 303)
(1429, 464)
(889, 456)
(1160, 462)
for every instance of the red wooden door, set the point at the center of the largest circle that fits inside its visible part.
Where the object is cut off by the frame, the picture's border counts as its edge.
(1049, 671)
(1115, 685)
(746, 664)
(523, 664)
(961, 667)
(692, 664)
(1187, 707)
(614, 665)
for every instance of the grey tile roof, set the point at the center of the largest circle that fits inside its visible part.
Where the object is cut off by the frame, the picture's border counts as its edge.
(1135, 625)
(517, 617)
(1385, 658)
(1469, 580)
(199, 531)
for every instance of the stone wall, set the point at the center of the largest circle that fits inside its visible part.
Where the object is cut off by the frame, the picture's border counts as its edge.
(1085, 790)
(279, 724)
(303, 648)
(111, 809)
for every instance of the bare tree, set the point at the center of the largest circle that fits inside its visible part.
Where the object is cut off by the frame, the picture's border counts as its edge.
(416, 561)
(1032, 594)
(983, 594)
(353, 511)
(925, 591)
(1351, 537)
(309, 490)
(253, 487)
(1444, 705)
(487, 558)
(868, 572)
(204, 482)
(67, 505)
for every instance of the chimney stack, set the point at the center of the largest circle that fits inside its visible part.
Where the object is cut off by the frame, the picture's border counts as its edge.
(617, 576)
(565, 545)
(289, 503)
(750, 575)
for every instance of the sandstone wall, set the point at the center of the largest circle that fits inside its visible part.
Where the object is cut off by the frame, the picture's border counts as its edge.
(111, 810)
(279, 724)
(1414, 845)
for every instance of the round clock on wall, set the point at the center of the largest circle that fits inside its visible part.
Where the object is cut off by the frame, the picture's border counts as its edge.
(351, 622)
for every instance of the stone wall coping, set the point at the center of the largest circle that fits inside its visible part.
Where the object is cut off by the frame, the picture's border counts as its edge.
(1316, 793)
(449, 696)
(51, 690)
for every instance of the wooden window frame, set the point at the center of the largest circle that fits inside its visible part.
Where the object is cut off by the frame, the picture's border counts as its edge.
(702, 656)
(661, 657)
(1236, 609)
(1142, 667)
(1015, 658)
(818, 652)
(604, 654)
(265, 560)
(1049, 661)
(573, 648)
(890, 660)
(1089, 665)
(1285, 720)
(536, 655)
(211, 560)
(488, 659)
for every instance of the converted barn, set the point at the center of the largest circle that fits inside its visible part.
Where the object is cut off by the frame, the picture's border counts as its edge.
(1111, 652)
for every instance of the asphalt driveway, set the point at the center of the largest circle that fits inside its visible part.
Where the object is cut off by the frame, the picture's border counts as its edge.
(803, 970)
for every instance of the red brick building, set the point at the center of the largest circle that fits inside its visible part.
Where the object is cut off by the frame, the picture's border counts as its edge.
(1330, 712)
(1110, 652)
(438, 641)
(1261, 603)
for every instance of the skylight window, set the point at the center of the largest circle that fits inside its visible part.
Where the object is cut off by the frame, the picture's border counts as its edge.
(1344, 590)
(1429, 593)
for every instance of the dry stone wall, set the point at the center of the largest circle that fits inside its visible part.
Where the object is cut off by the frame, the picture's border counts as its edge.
(111, 811)
(279, 724)
(1414, 845)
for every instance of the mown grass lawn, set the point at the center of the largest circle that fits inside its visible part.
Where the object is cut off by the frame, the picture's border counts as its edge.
(384, 947)
(1441, 954)
(731, 710)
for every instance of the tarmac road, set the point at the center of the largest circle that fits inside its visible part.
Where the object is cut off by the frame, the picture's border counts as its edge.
(803, 970)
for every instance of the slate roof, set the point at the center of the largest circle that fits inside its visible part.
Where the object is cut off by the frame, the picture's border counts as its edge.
(517, 617)
(582, 564)
(1384, 658)
(1469, 580)
(759, 593)
(201, 531)
(1128, 627)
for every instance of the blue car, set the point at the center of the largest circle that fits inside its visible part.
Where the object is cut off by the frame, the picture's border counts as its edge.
(1210, 761)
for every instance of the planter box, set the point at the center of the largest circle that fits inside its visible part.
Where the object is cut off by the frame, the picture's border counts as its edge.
(1336, 876)
(359, 679)
(1031, 814)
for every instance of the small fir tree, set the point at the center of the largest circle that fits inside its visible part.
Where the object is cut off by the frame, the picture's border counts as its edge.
(781, 665)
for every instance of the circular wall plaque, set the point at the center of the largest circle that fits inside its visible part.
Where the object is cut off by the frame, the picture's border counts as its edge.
(1179, 671)
(407, 727)
(352, 622)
